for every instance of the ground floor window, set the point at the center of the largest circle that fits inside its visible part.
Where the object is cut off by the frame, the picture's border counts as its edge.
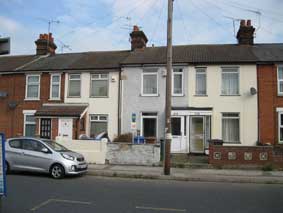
(231, 127)
(29, 125)
(280, 127)
(98, 124)
(45, 128)
(149, 124)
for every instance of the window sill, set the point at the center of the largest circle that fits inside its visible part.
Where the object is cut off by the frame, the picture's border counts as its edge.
(99, 97)
(54, 99)
(231, 95)
(156, 95)
(232, 143)
(177, 95)
(29, 99)
(200, 95)
(74, 97)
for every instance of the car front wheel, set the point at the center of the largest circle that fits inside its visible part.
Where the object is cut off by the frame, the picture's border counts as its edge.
(57, 171)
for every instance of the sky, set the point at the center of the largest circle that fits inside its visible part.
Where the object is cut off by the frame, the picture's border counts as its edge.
(100, 25)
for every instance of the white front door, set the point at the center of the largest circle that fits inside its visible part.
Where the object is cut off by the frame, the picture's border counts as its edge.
(179, 139)
(66, 128)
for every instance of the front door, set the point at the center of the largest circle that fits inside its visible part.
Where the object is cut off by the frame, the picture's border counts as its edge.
(197, 134)
(179, 144)
(66, 128)
(45, 128)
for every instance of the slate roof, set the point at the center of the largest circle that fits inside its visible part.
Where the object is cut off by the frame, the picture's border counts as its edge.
(80, 61)
(104, 60)
(10, 63)
(196, 54)
(61, 110)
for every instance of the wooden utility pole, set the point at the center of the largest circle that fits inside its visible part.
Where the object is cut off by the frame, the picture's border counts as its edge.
(168, 132)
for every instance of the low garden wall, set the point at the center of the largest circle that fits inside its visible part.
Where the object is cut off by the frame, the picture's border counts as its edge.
(133, 154)
(93, 151)
(259, 156)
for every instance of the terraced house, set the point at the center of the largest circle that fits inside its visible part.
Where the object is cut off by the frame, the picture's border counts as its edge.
(220, 91)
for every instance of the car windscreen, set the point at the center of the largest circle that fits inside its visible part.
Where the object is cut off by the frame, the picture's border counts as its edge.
(55, 146)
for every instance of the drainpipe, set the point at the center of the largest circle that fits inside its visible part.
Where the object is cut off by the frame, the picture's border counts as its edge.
(119, 102)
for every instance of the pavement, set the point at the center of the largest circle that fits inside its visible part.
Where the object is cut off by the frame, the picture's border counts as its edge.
(188, 174)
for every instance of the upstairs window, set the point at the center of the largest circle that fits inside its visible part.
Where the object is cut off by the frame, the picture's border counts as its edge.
(177, 82)
(230, 81)
(55, 86)
(231, 127)
(149, 82)
(99, 85)
(280, 80)
(32, 87)
(201, 81)
(74, 85)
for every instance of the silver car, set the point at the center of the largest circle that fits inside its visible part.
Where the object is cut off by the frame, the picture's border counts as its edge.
(43, 155)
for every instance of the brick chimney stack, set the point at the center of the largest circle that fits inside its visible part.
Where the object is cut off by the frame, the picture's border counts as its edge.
(45, 44)
(245, 33)
(138, 39)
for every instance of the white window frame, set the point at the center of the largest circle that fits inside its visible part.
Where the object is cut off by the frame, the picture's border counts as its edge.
(53, 84)
(100, 78)
(28, 112)
(69, 80)
(149, 116)
(201, 71)
(37, 84)
(279, 125)
(237, 70)
(98, 121)
(173, 84)
(149, 73)
(235, 117)
(280, 93)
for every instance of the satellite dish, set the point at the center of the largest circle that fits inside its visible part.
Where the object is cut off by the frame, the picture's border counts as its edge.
(5, 46)
(253, 91)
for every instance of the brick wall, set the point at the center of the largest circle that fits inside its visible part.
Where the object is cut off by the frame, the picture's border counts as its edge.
(12, 120)
(268, 102)
(244, 155)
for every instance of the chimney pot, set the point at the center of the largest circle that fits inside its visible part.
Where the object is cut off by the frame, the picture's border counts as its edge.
(245, 33)
(138, 38)
(45, 44)
(249, 23)
(243, 23)
(136, 28)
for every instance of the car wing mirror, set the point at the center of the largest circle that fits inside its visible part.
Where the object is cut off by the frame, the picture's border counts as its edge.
(44, 150)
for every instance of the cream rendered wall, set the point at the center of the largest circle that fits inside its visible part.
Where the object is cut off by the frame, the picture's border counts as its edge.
(108, 105)
(245, 104)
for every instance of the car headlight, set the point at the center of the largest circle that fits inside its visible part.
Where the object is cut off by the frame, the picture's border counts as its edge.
(68, 157)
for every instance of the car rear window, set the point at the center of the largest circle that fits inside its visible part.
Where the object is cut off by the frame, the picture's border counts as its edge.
(15, 144)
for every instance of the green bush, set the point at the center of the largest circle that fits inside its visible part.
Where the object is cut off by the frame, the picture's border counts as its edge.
(267, 167)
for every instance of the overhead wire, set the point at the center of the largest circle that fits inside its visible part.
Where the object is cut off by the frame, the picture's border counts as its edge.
(183, 21)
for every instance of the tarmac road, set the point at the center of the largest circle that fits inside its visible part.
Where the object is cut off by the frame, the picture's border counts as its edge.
(39, 193)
